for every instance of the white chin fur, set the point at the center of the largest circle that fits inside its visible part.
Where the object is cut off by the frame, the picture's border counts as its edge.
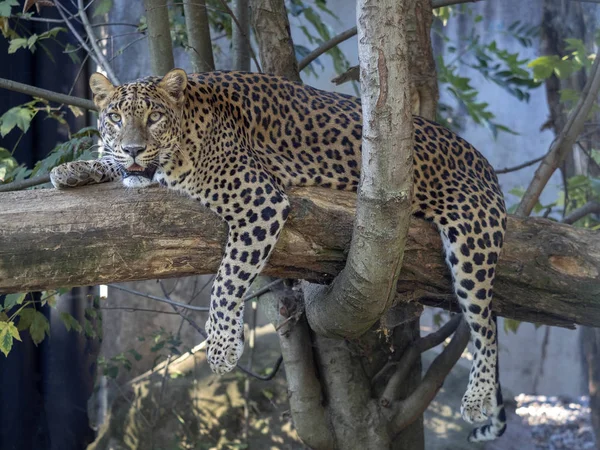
(136, 182)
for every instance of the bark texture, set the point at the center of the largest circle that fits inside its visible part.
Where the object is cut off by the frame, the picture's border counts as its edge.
(548, 272)
(240, 35)
(272, 31)
(365, 288)
(198, 31)
(159, 34)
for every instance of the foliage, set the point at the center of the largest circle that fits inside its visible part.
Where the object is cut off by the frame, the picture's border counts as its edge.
(309, 19)
(499, 66)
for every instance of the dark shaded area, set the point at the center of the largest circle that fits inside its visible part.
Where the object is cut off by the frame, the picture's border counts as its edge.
(44, 389)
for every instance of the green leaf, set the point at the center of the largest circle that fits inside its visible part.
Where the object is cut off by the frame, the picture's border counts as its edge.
(19, 116)
(16, 44)
(70, 322)
(39, 328)
(13, 299)
(135, 354)
(5, 7)
(26, 318)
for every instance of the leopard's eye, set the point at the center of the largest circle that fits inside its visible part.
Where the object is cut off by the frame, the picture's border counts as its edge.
(114, 117)
(154, 117)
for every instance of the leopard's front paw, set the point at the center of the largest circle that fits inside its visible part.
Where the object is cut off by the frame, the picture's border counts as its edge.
(225, 347)
(478, 403)
(73, 174)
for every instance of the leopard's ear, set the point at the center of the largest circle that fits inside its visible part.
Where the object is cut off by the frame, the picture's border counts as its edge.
(174, 83)
(101, 88)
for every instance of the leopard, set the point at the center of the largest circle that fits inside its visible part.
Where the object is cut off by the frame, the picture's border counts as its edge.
(237, 141)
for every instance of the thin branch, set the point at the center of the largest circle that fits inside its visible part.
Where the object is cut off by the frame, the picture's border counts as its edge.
(263, 290)
(92, 37)
(48, 95)
(271, 375)
(24, 184)
(326, 46)
(132, 309)
(61, 10)
(409, 358)
(160, 299)
(564, 143)
(520, 166)
(404, 412)
(345, 35)
(589, 208)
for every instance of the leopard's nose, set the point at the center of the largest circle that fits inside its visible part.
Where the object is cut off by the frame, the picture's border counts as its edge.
(133, 150)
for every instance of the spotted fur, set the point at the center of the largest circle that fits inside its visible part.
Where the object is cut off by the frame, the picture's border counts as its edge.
(236, 141)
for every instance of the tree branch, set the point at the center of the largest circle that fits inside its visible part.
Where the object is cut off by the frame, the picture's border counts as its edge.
(408, 359)
(350, 32)
(97, 50)
(24, 184)
(365, 288)
(48, 95)
(520, 166)
(580, 213)
(548, 272)
(304, 388)
(404, 412)
(564, 143)
(198, 31)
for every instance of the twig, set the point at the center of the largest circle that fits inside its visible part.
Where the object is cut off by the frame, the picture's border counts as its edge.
(251, 343)
(271, 375)
(263, 290)
(161, 299)
(592, 207)
(48, 95)
(409, 358)
(134, 310)
(520, 166)
(409, 409)
(92, 37)
(61, 10)
(564, 143)
(24, 184)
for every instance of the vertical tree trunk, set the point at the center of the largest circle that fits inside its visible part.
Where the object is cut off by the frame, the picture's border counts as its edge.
(240, 35)
(159, 36)
(198, 31)
(272, 30)
(561, 20)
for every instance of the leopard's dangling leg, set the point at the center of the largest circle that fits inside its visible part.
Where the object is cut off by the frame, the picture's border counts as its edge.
(255, 218)
(472, 260)
(81, 173)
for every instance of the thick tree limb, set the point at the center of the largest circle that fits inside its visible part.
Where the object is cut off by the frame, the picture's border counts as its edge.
(365, 287)
(564, 142)
(548, 272)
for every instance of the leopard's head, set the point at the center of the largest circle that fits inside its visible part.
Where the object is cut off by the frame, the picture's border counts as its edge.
(140, 122)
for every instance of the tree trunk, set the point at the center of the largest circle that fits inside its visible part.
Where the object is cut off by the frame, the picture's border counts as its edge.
(562, 20)
(159, 36)
(198, 31)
